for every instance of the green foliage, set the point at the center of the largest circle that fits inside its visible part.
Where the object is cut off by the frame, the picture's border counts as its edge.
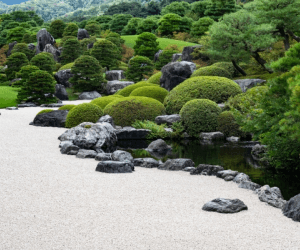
(87, 74)
(24, 73)
(44, 111)
(94, 29)
(71, 51)
(128, 89)
(211, 71)
(70, 30)
(119, 21)
(103, 19)
(85, 112)
(139, 66)
(201, 26)
(85, 42)
(170, 23)
(65, 38)
(23, 48)
(3, 78)
(132, 26)
(217, 89)
(178, 130)
(125, 111)
(15, 34)
(227, 124)
(103, 101)
(116, 39)
(228, 66)
(157, 131)
(67, 66)
(216, 9)
(166, 56)
(179, 8)
(155, 79)
(67, 107)
(154, 92)
(57, 28)
(14, 63)
(44, 61)
(147, 25)
(198, 8)
(200, 115)
(146, 45)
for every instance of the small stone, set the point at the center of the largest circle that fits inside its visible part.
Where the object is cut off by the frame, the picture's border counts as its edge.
(249, 185)
(222, 205)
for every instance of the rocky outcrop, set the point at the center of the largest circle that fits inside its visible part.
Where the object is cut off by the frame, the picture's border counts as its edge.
(54, 51)
(212, 136)
(187, 53)
(206, 169)
(113, 75)
(106, 118)
(176, 56)
(249, 185)
(82, 33)
(43, 38)
(248, 83)
(113, 86)
(115, 167)
(62, 77)
(56, 118)
(177, 164)
(60, 92)
(10, 48)
(167, 119)
(272, 196)
(89, 95)
(129, 133)
(157, 54)
(292, 208)
(222, 205)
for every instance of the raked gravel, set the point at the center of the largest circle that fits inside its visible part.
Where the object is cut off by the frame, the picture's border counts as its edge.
(54, 201)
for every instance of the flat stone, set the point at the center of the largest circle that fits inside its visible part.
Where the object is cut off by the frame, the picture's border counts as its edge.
(222, 205)
(189, 169)
(85, 153)
(138, 161)
(115, 167)
(27, 105)
(206, 169)
(55, 118)
(52, 105)
(132, 133)
(292, 208)
(177, 164)
(249, 185)
(222, 174)
(69, 147)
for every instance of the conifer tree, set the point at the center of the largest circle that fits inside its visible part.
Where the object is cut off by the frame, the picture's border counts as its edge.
(14, 63)
(139, 66)
(57, 28)
(22, 47)
(71, 51)
(44, 61)
(70, 30)
(146, 45)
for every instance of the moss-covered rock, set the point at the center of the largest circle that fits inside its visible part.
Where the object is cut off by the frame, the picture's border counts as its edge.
(128, 89)
(228, 125)
(200, 115)
(125, 111)
(103, 101)
(211, 71)
(154, 92)
(67, 107)
(67, 66)
(85, 112)
(44, 111)
(217, 89)
(155, 79)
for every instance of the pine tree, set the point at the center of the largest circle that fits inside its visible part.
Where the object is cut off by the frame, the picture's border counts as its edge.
(14, 63)
(71, 51)
(44, 61)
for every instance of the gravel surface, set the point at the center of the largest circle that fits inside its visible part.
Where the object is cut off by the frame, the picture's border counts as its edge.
(55, 201)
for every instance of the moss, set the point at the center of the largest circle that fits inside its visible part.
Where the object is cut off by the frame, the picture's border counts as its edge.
(88, 126)
(44, 111)
(127, 110)
(103, 101)
(85, 112)
(211, 71)
(67, 107)
(228, 125)
(217, 89)
(128, 89)
(200, 115)
(154, 92)
(155, 79)
(67, 66)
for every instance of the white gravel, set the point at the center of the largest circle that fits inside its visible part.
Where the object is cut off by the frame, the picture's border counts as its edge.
(55, 201)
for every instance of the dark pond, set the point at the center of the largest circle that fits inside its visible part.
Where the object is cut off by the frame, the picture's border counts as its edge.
(234, 156)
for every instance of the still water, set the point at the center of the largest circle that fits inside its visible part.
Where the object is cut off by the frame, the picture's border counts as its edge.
(234, 156)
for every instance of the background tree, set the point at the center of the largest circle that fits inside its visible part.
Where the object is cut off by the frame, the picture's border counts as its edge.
(14, 63)
(57, 28)
(138, 67)
(103, 19)
(116, 39)
(216, 9)
(119, 21)
(44, 61)
(24, 75)
(179, 8)
(131, 27)
(146, 45)
(22, 47)
(169, 23)
(198, 9)
(94, 28)
(70, 30)
(15, 34)
(71, 51)
(201, 26)
(147, 25)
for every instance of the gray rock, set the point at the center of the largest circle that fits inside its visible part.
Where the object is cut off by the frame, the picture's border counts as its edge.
(222, 205)
(249, 185)
(159, 146)
(106, 118)
(132, 133)
(82, 33)
(167, 119)
(90, 46)
(72, 152)
(257, 151)
(138, 161)
(113, 75)
(103, 157)
(272, 196)
(177, 164)
(27, 105)
(89, 95)
(221, 105)
(60, 92)
(115, 167)
(85, 153)
(206, 169)
(10, 48)
(233, 139)
(175, 73)
(43, 38)
(211, 136)
(54, 51)
(56, 118)
(157, 54)
(228, 178)
(120, 155)
(176, 56)
(189, 169)
(62, 77)
(149, 163)
(248, 83)
(292, 208)
(169, 130)
(66, 148)
(53, 105)
(11, 108)
(241, 177)
(187, 53)
(113, 86)
(224, 173)
(62, 143)
(31, 46)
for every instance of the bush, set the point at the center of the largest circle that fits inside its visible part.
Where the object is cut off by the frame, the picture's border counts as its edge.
(103, 101)
(15, 34)
(228, 125)
(228, 66)
(65, 38)
(14, 63)
(217, 89)
(146, 45)
(200, 115)
(67, 107)
(71, 51)
(138, 68)
(57, 28)
(94, 29)
(157, 131)
(27, 38)
(44, 61)
(154, 92)
(201, 26)
(3, 78)
(44, 111)
(128, 89)
(24, 74)
(70, 30)
(211, 71)
(125, 111)
(23, 48)
(85, 112)
(86, 41)
(67, 66)
(155, 79)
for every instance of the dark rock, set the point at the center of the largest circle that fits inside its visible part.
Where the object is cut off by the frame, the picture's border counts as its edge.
(82, 33)
(10, 48)
(113, 86)
(189, 169)
(106, 118)
(257, 151)
(233, 139)
(249, 185)
(62, 77)
(90, 46)
(292, 208)
(132, 133)
(224, 173)
(212, 136)
(115, 167)
(54, 51)
(176, 56)
(89, 95)
(27, 105)
(60, 92)
(222, 205)
(177, 164)
(205, 169)
(149, 163)
(175, 73)
(187, 51)
(120, 155)
(43, 38)
(240, 177)
(113, 75)
(52, 105)
(157, 54)
(103, 157)
(56, 118)
(31, 46)
(138, 161)
(85, 153)
(167, 119)
(72, 152)
(159, 146)
(66, 148)
(132, 144)
(248, 83)
(272, 196)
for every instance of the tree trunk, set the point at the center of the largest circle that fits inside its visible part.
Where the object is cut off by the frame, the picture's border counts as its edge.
(238, 68)
(286, 38)
(296, 38)
(261, 61)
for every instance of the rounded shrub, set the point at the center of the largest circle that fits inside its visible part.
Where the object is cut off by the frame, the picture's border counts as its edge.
(125, 111)
(200, 115)
(24, 73)
(154, 92)
(103, 101)
(70, 30)
(71, 51)
(217, 89)
(211, 71)
(85, 112)
(128, 89)
(227, 124)
(44, 111)
(44, 61)
(67, 107)
(155, 79)
(228, 66)
(23, 48)
(14, 63)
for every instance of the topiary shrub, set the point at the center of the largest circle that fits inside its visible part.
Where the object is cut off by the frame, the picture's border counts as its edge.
(70, 30)
(146, 45)
(44, 61)
(3, 78)
(71, 51)
(67, 66)
(125, 111)
(128, 89)
(44, 111)
(22, 47)
(24, 75)
(217, 89)
(211, 71)
(14, 63)
(67, 107)
(228, 66)
(56, 28)
(85, 112)
(200, 115)
(155, 79)
(201, 26)
(227, 124)
(139, 66)
(103, 101)
(154, 92)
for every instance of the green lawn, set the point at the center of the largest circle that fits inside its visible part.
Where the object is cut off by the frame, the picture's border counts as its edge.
(8, 96)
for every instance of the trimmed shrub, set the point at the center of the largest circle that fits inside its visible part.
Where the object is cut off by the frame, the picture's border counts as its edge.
(45, 111)
(44, 61)
(211, 71)
(15, 34)
(64, 39)
(14, 63)
(217, 89)
(3, 78)
(139, 66)
(228, 66)
(67, 66)
(22, 47)
(200, 115)
(85, 112)
(201, 26)
(86, 41)
(67, 107)
(57, 28)
(128, 89)
(103, 101)
(227, 124)
(71, 51)
(146, 45)
(94, 29)
(70, 30)
(127, 110)
(154, 92)
(155, 79)
(24, 74)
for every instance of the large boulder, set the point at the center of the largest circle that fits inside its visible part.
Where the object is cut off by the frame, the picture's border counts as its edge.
(63, 76)
(159, 146)
(248, 83)
(167, 119)
(129, 133)
(175, 73)
(222, 205)
(56, 118)
(120, 155)
(157, 54)
(115, 167)
(187, 51)
(212, 136)
(205, 169)
(60, 92)
(113, 75)
(43, 38)
(54, 51)
(113, 86)
(82, 33)
(99, 137)
(272, 196)
(292, 208)
(177, 164)
(10, 48)
(89, 95)
(176, 56)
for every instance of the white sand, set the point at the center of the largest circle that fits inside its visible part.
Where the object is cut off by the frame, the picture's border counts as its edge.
(55, 201)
